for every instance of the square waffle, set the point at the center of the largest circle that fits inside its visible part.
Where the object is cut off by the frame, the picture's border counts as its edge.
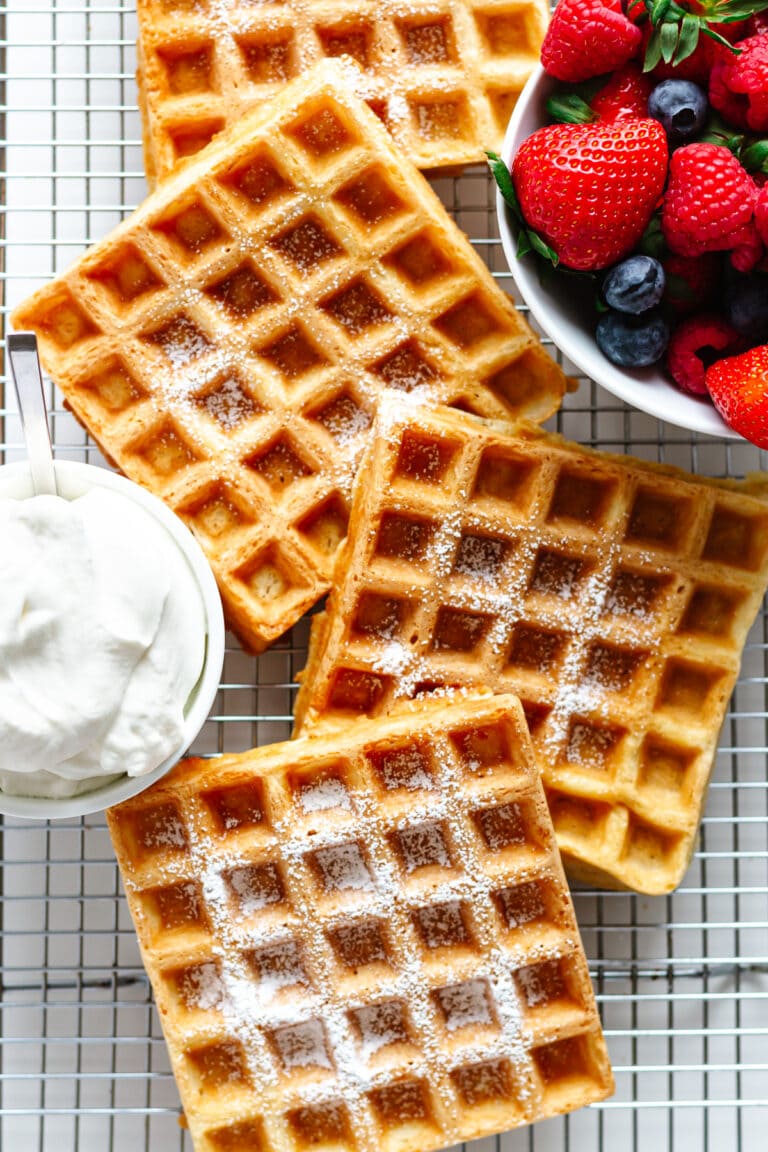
(364, 941)
(443, 75)
(612, 596)
(227, 344)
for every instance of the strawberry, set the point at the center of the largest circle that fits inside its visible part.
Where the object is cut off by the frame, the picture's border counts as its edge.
(586, 38)
(738, 84)
(625, 94)
(738, 386)
(695, 67)
(708, 204)
(590, 189)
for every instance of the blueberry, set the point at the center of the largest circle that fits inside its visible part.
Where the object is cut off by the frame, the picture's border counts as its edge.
(746, 303)
(681, 107)
(634, 285)
(632, 341)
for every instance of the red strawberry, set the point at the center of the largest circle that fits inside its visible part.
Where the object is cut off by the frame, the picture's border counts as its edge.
(698, 65)
(738, 84)
(625, 94)
(586, 38)
(739, 390)
(708, 203)
(691, 280)
(590, 189)
(694, 345)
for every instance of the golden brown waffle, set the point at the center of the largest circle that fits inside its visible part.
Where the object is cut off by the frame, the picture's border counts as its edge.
(228, 343)
(364, 941)
(443, 75)
(612, 596)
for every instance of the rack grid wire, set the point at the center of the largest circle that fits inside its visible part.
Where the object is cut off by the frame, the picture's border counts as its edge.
(682, 981)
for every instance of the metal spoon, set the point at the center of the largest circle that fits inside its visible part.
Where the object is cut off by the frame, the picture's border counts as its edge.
(28, 382)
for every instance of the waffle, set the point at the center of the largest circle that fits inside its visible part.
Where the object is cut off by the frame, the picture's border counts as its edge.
(443, 75)
(364, 942)
(612, 596)
(228, 343)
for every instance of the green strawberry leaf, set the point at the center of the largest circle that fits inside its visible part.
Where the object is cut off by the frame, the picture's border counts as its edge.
(543, 249)
(653, 51)
(688, 39)
(503, 178)
(668, 38)
(524, 245)
(527, 240)
(568, 108)
(659, 10)
(720, 39)
(727, 12)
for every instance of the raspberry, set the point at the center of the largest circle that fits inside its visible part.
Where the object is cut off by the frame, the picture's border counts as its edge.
(761, 213)
(586, 38)
(748, 253)
(738, 84)
(695, 345)
(708, 204)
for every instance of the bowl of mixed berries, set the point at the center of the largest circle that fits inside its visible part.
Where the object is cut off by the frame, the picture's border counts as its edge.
(633, 204)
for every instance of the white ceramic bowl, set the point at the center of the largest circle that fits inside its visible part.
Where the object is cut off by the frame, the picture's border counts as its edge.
(569, 318)
(73, 480)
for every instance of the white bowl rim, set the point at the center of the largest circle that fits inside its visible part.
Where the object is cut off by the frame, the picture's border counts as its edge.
(694, 415)
(204, 692)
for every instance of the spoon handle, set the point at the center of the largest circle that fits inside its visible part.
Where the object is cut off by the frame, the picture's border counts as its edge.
(28, 381)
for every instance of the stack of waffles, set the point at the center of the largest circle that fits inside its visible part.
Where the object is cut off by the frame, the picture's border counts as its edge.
(443, 75)
(364, 942)
(363, 939)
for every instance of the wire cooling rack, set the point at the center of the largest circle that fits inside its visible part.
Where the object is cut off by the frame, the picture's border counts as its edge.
(682, 981)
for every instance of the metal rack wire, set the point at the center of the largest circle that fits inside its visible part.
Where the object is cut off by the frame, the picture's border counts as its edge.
(682, 981)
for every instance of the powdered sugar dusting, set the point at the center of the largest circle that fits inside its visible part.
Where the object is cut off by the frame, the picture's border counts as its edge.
(276, 963)
(228, 405)
(256, 887)
(539, 983)
(405, 768)
(465, 1004)
(201, 987)
(381, 1025)
(480, 557)
(302, 1046)
(161, 827)
(423, 846)
(181, 341)
(343, 868)
(322, 794)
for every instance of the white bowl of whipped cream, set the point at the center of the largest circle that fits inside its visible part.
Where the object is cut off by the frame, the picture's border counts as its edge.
(111, 641)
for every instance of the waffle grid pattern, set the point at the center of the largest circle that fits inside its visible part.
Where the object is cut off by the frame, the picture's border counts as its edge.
(443, 75)
(465, 545)
(368, 948)
(226, 346)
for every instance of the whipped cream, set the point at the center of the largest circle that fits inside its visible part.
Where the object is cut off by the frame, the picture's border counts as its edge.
(102, 639)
